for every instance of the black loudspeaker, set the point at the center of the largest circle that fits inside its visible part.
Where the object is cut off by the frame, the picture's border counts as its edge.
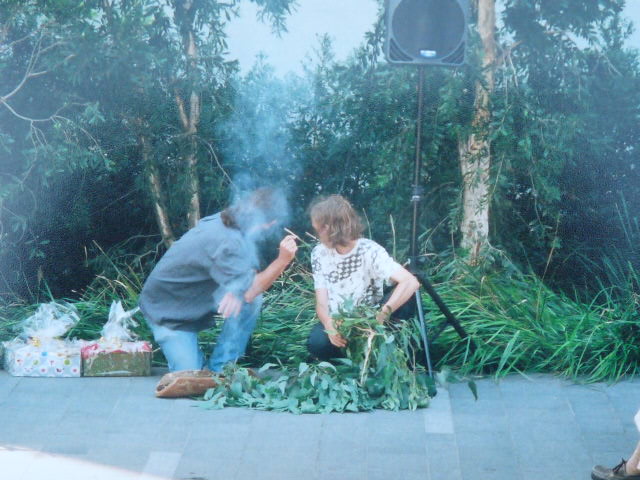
(427, 32)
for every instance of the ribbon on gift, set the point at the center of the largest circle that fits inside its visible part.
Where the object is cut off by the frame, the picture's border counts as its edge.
(104, 346)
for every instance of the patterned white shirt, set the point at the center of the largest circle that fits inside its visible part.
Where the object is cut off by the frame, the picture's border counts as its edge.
(358, 275)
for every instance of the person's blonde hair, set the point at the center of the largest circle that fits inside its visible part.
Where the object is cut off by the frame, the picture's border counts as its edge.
(342, 222)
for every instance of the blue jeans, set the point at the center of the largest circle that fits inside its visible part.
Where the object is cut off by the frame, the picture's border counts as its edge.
(181, 349)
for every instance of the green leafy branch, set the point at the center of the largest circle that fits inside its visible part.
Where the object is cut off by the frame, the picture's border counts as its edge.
(379, 371)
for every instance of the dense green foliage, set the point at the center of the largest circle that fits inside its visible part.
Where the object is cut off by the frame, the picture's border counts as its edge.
(86, 88)
(88, 109)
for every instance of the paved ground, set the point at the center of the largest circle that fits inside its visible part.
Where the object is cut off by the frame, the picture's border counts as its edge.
(114, 428)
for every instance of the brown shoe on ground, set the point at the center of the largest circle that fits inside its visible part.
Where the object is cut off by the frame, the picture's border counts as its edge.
(619, 472)
(185, 383)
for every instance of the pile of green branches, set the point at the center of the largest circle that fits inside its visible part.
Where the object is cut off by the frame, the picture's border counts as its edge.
(379, 371)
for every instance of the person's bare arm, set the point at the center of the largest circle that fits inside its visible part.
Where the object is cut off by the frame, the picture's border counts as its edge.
(264, 279)
(406, 286)
(230, 305)
(322, 310)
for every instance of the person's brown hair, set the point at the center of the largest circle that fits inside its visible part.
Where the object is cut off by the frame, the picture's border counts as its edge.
(259, 206)
(342, 222)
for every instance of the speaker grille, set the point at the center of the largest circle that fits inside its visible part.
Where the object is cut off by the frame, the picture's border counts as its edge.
(430, 32)
(396, 54)
(457, 57)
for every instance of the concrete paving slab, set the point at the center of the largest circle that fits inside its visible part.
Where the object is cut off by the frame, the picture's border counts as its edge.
(520, 428)
(438, 418)
(443, 462)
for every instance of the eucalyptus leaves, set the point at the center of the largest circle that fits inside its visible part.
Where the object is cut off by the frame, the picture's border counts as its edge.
(379, 372)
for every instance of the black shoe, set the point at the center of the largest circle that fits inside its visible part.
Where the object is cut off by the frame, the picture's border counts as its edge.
(619, 472)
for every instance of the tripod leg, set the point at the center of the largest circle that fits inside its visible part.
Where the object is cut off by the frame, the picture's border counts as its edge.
(451, 320)
(423, 332)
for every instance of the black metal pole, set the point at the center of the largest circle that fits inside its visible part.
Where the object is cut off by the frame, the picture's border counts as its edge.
(416, 198)
(416, 195)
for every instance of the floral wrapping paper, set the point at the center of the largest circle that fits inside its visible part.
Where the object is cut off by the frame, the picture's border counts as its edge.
(56, 358)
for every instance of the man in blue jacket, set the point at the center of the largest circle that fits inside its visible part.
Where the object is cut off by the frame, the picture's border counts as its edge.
(213, 269)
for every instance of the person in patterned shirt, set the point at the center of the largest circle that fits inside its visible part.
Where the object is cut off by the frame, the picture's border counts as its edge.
(348, 267)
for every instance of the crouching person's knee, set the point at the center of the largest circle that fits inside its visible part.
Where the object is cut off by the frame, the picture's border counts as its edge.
(319, 345)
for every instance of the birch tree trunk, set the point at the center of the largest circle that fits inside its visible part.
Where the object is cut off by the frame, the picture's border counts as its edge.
(190, 119)
(190, 127)
(475, 151)
(157, 195)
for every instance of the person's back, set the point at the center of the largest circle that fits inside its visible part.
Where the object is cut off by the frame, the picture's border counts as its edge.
(212, 270)
(183, 288)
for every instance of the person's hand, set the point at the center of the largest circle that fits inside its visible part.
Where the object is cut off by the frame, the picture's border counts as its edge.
(229, 306)
(384, 314)
(338, 340)
(288, 249)
(335, 338)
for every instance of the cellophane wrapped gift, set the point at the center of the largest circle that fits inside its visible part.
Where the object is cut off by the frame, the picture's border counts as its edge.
(38, 351)
(117, 353)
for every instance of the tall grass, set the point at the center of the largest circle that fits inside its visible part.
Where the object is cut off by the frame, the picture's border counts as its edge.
(517, 323)
(285, 322)
(118, 281)
(287, 315)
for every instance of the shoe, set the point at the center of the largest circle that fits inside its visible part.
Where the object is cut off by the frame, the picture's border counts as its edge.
(619, 472)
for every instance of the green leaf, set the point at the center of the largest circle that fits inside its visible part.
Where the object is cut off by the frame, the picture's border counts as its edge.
(326, 365)
(474, 388)
(266, 367)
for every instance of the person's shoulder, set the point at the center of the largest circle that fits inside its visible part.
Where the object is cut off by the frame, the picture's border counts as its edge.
(318, 250)
(368, 244)
(213, 226)
(209, 218)
(211, 221)
(366, 241)
(372, 250)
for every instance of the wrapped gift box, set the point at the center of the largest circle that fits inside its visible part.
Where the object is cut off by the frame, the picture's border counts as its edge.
(129, 359)
(56, 358)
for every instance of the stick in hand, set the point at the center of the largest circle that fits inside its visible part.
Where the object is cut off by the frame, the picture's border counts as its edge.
(291, 233)
(297, 237)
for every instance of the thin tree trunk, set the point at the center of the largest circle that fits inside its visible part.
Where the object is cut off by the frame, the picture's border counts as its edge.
(190, 128)
(191, 119)
(475, 151)
(155, 186)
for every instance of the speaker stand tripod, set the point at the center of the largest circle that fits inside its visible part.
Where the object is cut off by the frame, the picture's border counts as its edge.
(416, 198)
